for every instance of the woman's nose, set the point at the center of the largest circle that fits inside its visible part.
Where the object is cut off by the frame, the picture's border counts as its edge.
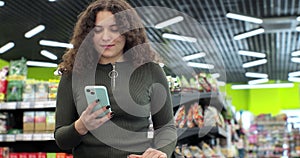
(106, 35)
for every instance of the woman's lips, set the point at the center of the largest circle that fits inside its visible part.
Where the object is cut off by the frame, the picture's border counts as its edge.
(107, 46)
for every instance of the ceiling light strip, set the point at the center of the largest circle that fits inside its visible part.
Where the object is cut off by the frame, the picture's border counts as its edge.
(298, 27)
(295, 60)
(194, 56)
(256, 75)
(261, 86)
(35, 31)
(200, 65)
(2, 3)
(169, 22)
(7, 47)
(244, 18)
(41, 64)
(258, 81)
(179, 37)
(294, 79)
(294, 74)
(252, 54)
(55, 44)
(254, 63)
(295, 53)
(249, 34)
(48, 54)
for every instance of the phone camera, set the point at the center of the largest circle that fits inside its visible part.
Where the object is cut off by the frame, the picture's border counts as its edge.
(88, 90)
(92, 93)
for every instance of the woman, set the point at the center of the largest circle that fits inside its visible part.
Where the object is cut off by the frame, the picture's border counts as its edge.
(111, 49)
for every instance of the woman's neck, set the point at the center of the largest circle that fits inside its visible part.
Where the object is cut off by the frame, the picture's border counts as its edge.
(104, 60)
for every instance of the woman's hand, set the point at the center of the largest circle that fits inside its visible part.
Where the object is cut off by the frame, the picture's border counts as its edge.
(149, 153)
(89, 120)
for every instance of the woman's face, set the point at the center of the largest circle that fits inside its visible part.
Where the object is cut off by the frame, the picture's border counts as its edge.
(107, 39)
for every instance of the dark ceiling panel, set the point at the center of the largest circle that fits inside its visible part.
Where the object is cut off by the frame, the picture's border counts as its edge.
(214, 31)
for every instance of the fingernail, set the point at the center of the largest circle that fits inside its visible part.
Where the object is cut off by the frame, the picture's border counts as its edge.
(112, 114)
(107, 107)
(97, 100)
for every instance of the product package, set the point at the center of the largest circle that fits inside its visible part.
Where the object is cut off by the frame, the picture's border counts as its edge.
(28, 122)
(180, 118)
(14, 90)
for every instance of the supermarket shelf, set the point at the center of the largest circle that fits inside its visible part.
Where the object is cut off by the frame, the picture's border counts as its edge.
(212, 98)
(27, 105)
(208, 131)
(271, 123)
(26, 137)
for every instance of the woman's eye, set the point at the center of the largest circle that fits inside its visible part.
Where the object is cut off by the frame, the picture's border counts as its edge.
(114, 29)
(98, 29)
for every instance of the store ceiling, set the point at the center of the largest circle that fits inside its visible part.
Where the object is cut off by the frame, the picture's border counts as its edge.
(213, 30)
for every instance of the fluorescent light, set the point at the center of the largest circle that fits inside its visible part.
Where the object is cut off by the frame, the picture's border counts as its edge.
(51, 0)
(298, 18)
(161, 64)
(48, 55)
(244, 18)
(34, 31)
(296, 60)
(55, 44)
(263, 80)
(298, 28)
(260, 86)
(221, 83)
(249, 34)
(169, 22)
(41, 64)
(294, 74)
(200, 65)
(179, 37)
(252, 54)
(295, 53)
(254, 63)
(256, 75)
(294, 79)
(215, 75)
(7, 47)
(2, 3)
(193, 56)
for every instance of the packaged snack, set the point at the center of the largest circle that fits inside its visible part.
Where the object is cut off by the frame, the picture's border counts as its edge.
(28, 91)
(18, 69)
(41, 91)
(198, 115)
(180, 117)
(3, 82)
(190, 122)
(14, 90)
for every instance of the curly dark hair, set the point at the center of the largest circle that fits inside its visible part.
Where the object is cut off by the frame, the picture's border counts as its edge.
(130, 19)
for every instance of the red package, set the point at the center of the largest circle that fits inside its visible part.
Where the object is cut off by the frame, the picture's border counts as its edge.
(13, 155)
(41, 155)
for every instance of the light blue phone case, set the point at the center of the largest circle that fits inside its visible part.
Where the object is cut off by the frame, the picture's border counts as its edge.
(93, 93)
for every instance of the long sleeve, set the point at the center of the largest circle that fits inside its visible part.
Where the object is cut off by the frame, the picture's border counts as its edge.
(65, 133)
(165, 136)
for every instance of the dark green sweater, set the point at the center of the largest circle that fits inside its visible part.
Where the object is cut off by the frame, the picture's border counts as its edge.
(137, 92)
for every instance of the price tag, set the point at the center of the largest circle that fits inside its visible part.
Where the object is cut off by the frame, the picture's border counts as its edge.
(48, 136)
(50, 104)
(25, 105)
(10, 138)
(9, 105)
(39, 104)
(19, 137)
(37, 137)
(1, 138)
(27, 137)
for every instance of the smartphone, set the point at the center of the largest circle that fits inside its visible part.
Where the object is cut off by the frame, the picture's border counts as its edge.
(92, 93)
